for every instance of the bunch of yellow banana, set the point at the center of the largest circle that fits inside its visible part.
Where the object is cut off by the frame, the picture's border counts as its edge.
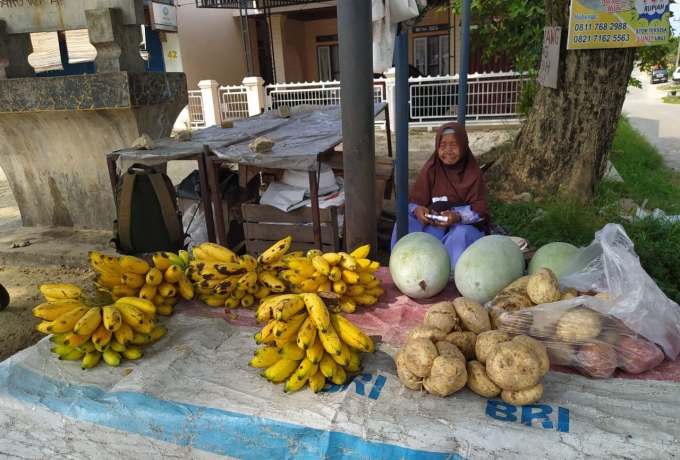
(129, 276)
(223, 279)
(81, 330)
(306, 343)
(348, 275)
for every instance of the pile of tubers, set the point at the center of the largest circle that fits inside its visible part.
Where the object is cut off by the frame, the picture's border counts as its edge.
(573, 334)
(456, 347)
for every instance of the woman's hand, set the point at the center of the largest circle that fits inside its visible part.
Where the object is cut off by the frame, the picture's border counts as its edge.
(453, 218)
(420, 212)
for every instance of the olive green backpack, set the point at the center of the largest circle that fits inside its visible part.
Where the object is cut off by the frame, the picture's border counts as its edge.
(148, 218)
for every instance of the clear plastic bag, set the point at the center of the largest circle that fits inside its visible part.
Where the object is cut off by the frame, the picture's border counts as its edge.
(194, 224)
(597, 335)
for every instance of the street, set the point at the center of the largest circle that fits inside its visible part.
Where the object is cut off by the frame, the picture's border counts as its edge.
(657, 121)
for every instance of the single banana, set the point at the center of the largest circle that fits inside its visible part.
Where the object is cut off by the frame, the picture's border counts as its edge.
(375, 292)
(294, 263)
(101, 338)
(365, 278)
(262, 292)
(363, 265)
(133, 280)
(112, 357)
(212, 273)
(326, 286)
(42, 326)
(113, 264)
(290, 276)
(354, 362)
(62, 349)
(313, 253)
(133, 264)
(219, 252)
(347, 305)
(247, 281)
(175, 260)
(281, 370)
(123, 334)
(185, 288)
(91, 359)
(198, 265)
(254, 288)
(139, 339)
(67, 321)
(132, 352)
(348, 262)
(74, 340)
(89, 322)
(305, 271)
(342, 359)
(339, 376)
(365, 300)
(199, 254)
(52, 310)
(319, 277)
(247, 300)
(172, 274)
(308, 286)
(327, 366)
(73, 355)
(58, 339)
(167, 289)
(61, 290)
(375, 283)
(317, 310)
(292, 351)
(361, 252)
(339, 287)
(294, 383)
(96, 261)
(213, 300)
(86, 347)
(238, 293)
(288, 307)
(351, 334)
(330, 340)
(129, 313)
(273, 283)
(232, 302)
(276, 251)
(124, 291)
(355, 290)
(248, 262)
(160, 262)
(145, 327)
(315, 351)
(184, 255)
(317, 381)
(226, 286)
(148, 291)
(306, 369)
(350, 277)
(335, 274)
(116, 345)
(267, 334)
(332, 258)
(265, 357)
(164, 310)
(109, 279)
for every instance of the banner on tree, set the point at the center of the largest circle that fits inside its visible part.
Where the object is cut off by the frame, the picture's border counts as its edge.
(618, 23)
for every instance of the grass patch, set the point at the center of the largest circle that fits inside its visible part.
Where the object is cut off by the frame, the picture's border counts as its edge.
(671, 100)
(645, 177)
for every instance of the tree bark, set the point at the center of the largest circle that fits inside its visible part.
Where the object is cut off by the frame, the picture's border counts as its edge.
(565, 143)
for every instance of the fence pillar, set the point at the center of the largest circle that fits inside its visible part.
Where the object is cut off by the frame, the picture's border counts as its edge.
(390, 85)
(255, 91)
(211, 102)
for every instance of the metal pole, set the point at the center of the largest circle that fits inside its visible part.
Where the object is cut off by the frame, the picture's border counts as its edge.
(401, 93)
(358, 135)
(464, 61)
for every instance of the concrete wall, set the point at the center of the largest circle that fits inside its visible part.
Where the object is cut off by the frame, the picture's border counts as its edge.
(211, 44)
(312, 30)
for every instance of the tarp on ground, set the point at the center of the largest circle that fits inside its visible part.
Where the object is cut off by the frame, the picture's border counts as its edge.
(193, 396)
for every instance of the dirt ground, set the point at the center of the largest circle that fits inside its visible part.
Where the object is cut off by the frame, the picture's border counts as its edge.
(17, 324)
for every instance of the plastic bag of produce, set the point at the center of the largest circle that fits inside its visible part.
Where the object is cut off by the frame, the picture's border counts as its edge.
(627, 325)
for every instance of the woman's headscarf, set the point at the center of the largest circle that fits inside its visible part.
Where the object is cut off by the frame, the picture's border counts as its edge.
(462, 183)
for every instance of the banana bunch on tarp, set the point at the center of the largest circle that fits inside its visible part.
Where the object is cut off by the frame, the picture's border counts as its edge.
(305, 342)
(91, 333)
(129, 276)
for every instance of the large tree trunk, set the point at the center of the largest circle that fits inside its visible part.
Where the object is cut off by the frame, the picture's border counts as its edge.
(565, 143)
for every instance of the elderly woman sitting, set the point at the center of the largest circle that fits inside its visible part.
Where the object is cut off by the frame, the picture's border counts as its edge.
(449, 198)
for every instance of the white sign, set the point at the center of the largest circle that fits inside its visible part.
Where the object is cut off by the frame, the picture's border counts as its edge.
(24, 16)
(163, 17)
(550, 58)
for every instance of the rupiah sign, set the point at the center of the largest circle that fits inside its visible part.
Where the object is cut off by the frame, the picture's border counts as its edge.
(25, 16)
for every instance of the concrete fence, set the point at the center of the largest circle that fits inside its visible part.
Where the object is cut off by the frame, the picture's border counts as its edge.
(492, 98)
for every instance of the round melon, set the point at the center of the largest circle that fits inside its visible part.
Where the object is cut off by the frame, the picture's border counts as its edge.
(555, 256)
(420, 265)
(487, 266)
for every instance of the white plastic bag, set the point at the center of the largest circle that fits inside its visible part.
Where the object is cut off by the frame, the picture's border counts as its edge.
(193, 221)
(384, 34)
(401, 10)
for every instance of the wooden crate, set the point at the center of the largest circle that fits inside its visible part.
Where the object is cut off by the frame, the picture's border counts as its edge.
(264, 225)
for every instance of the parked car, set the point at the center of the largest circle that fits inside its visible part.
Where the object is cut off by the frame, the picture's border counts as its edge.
(676, 75)
(659, 75)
